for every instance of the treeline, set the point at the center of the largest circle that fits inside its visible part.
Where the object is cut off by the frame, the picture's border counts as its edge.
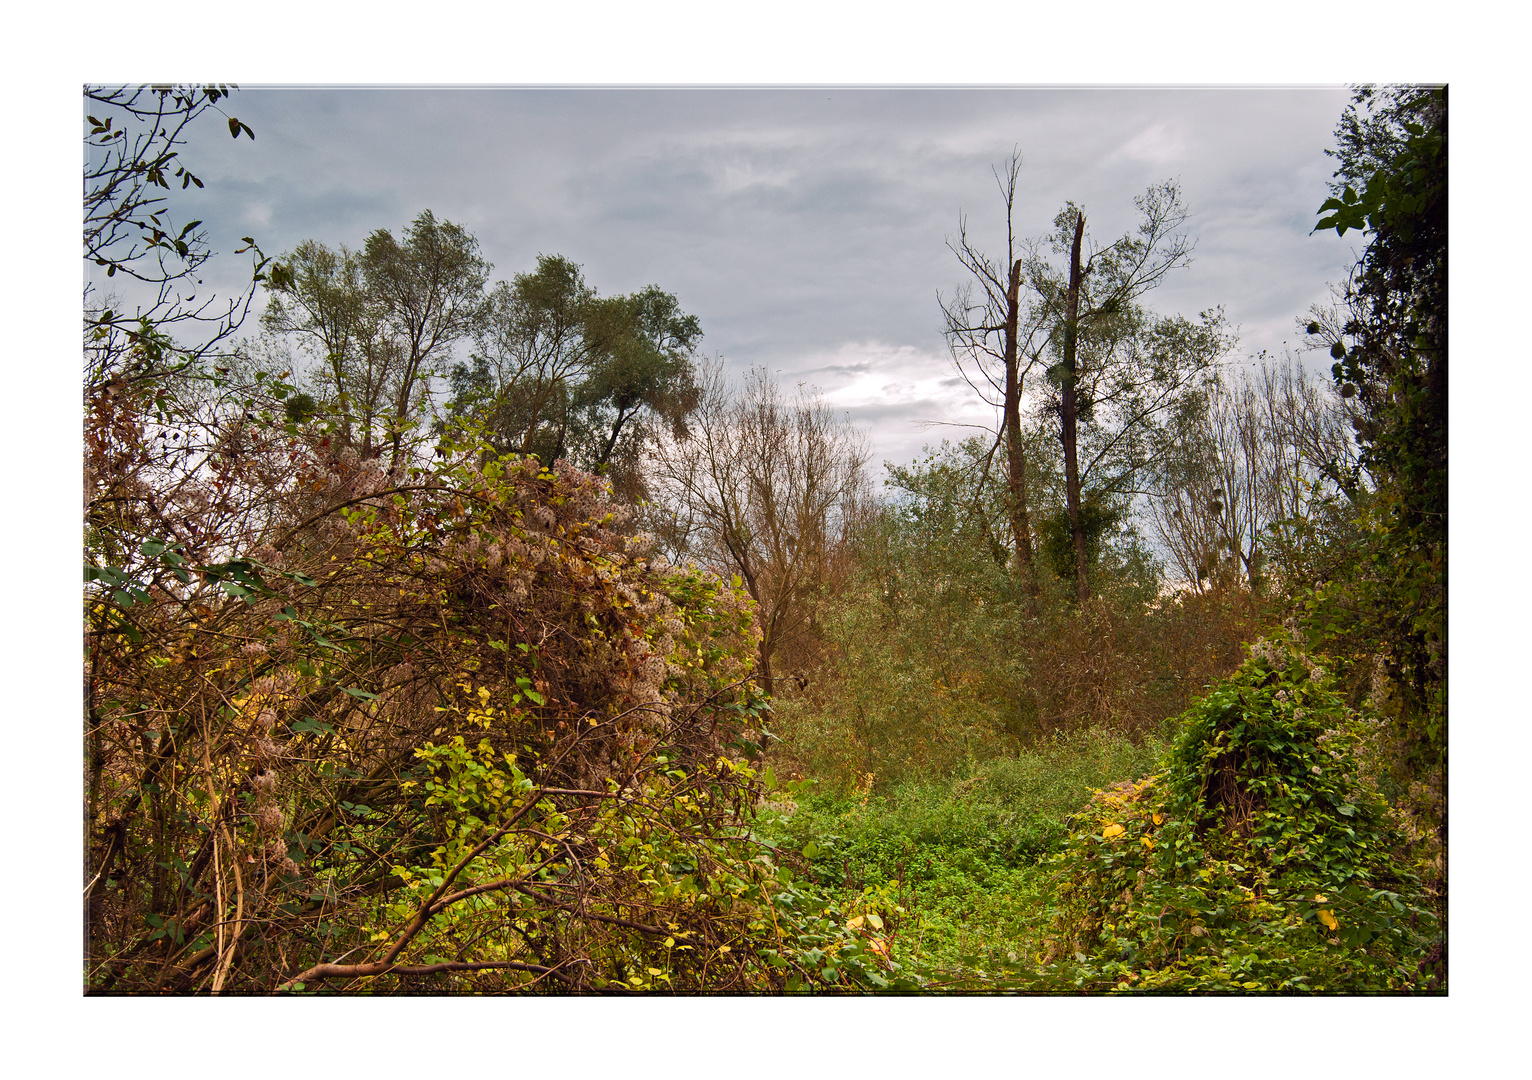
(436, 636)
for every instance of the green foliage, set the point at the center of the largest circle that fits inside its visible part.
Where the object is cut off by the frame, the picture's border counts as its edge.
(139, 222)
(560, 371)
(1098, 520)
(963, 858)
(1385, 610)
(1254, 860)
(944, 656)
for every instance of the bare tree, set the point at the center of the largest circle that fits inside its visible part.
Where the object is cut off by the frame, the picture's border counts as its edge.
(1254, 451)
(994, 350)
(767, 488)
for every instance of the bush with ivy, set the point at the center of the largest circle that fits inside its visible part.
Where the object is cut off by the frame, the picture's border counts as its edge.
(1253, 861)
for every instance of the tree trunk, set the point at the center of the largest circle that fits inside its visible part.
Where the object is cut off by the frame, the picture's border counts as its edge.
(1021, 529)
(763, 675)
(1069, 413)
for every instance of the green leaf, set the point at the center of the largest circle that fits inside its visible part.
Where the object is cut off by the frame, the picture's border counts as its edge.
(363, 694)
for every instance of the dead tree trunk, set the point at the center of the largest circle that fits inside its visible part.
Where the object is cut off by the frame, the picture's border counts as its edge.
(1069, 415)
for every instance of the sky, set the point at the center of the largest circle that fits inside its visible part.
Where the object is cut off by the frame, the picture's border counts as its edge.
(805, 227)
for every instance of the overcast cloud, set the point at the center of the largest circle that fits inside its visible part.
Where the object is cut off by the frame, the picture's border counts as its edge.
(805, 227)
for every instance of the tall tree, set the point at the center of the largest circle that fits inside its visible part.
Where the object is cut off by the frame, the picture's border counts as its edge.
(560, 371)
(1389, 342)
(325, 304)
(430, 288)
(380, 320)
(1118, 370)
(985, 334)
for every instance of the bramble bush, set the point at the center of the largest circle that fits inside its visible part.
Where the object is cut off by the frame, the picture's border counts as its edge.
(452, 730)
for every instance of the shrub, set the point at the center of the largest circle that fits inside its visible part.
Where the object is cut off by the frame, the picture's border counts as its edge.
(1252, 861)
(452, 731)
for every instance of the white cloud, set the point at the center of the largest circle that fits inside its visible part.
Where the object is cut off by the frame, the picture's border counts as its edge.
(258, 214)
(1158, 144)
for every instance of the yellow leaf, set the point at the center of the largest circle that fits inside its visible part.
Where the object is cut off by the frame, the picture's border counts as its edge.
(1319, 898)
(1159, 819)
(854, 924)
(1327, 917)
(1148, 843)
(1112, 830)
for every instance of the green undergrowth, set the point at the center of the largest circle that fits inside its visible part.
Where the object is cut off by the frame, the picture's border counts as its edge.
(1255, 859)
(958, 862)
(1245, 852)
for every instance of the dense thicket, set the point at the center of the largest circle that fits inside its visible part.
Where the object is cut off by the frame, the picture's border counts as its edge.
(359, 718)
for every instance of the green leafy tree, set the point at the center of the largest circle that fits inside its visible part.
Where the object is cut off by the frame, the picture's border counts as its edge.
(381, 321)
(325, 305)
(1388, 337)
(560, 371)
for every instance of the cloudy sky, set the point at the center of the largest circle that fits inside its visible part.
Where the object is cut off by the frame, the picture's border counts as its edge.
(805, 227)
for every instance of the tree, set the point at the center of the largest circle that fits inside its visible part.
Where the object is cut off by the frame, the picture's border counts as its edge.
(985, 335)
(379, 320)
(562, 371)
(1388, 339)
(326, 305)
(1118, 371)
(1253, 453)
(430, 289)
(132, 154)
(647, 344)
(1390, 345)
(770, 489)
